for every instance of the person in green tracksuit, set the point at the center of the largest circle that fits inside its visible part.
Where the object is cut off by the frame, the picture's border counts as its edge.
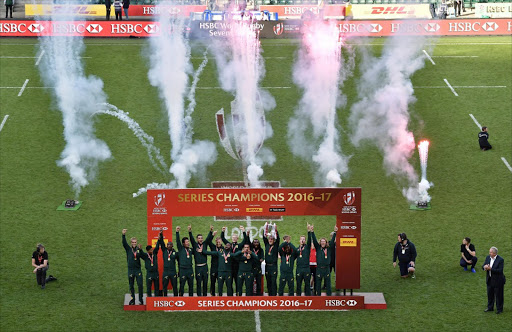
(271, 251)
(201, 261)
(186, 272)
(256, 265)
(287, 253)
(225, 259)
(235, 247)
(323, 259)
(169, 274)
(214, 266)
(245, 276)
(133, 254)
(303, 272)
(151, 263)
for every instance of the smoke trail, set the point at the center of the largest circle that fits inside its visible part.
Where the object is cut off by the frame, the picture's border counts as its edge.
(241, 69)
(320, 71)
(381, 115)
(145, 139)
(170, 68)
(76, 96)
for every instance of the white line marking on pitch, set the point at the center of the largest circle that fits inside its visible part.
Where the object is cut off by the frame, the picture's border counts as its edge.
(39, 58)
(265, 87)
(455, 56)
(3, 122)
(476, 122)
(451, 88)
(428, 56)
(461, 87)
(506, 163)
(257, 319)
(23, 87)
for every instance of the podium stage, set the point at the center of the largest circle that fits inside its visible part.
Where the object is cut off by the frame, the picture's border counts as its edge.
(335, 302)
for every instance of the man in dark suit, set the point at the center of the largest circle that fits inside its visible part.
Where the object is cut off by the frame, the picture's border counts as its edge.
(495, 280)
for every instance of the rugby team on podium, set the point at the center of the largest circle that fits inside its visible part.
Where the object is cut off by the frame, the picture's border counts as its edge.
(232, 262)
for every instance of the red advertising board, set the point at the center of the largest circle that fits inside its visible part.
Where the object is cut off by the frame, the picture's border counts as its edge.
(342, 203)
(100, 10)
(383, 28)
(150, 10)
(296, 11)
(216, 303)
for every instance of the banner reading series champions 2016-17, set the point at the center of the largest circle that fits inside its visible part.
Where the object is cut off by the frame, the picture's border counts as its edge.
(342, 203)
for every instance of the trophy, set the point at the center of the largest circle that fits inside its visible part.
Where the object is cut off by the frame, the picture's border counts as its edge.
(270, 230)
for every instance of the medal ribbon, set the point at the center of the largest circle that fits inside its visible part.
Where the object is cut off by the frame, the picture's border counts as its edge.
(272, 246)
(325, 252)
(151, 259)
(225, 257)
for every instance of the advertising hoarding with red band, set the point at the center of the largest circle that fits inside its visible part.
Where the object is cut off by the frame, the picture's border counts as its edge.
(342, 203)
(268, 29)
(296, 11)
(245, 303)
(100, 10)
(389, 11)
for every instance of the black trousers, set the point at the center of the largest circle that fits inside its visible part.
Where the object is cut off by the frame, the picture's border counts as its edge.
(213, 281)
(473, 262)
(41, 276)
(495, 293)
(119, 15)
(108, 12)
(485, 146)
(7, 8)
(457, 6)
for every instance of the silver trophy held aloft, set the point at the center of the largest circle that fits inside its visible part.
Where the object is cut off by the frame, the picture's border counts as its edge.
(270, 230)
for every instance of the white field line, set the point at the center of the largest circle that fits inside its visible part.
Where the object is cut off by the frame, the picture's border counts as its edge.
(461, 87)
(451, 88)
(476, 122)
(265, 87)
(35, 57)
(506, 163)
(257, 319)
(455, 56)
(40, 57)
(3, 122)
(23, 88)
(428, 57)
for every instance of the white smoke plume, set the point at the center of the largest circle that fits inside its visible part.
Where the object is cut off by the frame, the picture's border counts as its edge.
(76, 96)
(241, 69)
(145, 139)
(170, 68)
(320, 70)
(381, 116)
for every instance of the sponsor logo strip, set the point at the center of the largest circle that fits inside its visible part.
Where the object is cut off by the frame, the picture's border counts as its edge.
(348, 242)
(256, 303)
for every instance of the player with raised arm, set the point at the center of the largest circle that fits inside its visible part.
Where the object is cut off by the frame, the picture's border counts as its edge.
(245, 276)
(150, 258)
(133, 254)
(186, 272)
(201, 261)
(287, 253)
(303, 272)
(214, 266)
(235, 247)
(323, 257)
(225, 259)
(271, 251)
(169, 274)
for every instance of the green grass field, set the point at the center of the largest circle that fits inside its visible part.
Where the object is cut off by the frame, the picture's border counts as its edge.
(472, 195)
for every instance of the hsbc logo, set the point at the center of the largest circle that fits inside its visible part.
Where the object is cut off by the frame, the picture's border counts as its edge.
(94, 28)
(375, 28)
(35, 28)
(348, 227)
(171, 303)
(179, 303)
(151, 28)
(340, 303)
(159, 228)
(349, 198)
(174, 10)
(490, 26)
(432, 27)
